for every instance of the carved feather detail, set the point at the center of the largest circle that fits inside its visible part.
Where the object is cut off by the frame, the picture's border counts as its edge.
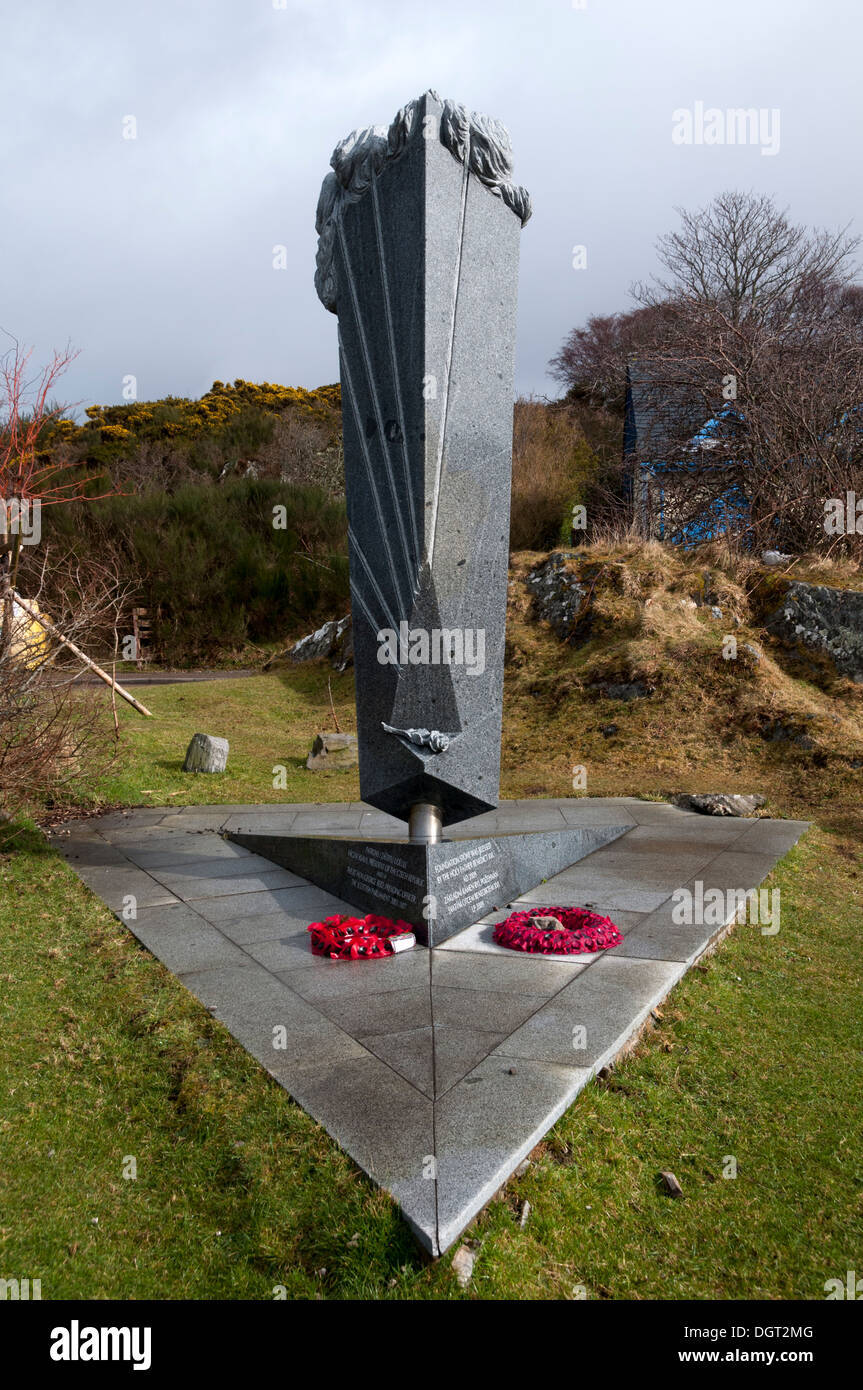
(480, 141)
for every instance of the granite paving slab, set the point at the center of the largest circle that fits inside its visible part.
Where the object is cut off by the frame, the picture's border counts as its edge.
(218, 880)
(182, 940)
(508, 970)
(172, 855)
(769, 836)
(159, 836)
(659, 938)
(456, 1052)
(411, 1054)
(436, 1070)
(279, 820)
(274, 1024)
(704, 830)
(486, 1124)
(123, 886)
(243, 907)
(391, 1011)
(356, 979)
(385, 1124)
(254, 929)
(285, 953)
(433, 1060)
(580, 1025)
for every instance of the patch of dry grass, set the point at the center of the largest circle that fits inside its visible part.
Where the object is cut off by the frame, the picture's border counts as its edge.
(713, 722)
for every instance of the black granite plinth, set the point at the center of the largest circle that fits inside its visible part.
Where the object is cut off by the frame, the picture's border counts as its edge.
(438, 888)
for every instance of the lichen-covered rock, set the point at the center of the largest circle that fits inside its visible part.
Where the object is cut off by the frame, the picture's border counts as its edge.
(786, 731)
(206, 754)
(623, 690)
(559, 598)
(822, 621)
(333, 642)
(333, 751)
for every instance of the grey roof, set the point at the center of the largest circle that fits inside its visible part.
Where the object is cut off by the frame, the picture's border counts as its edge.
(666, 405)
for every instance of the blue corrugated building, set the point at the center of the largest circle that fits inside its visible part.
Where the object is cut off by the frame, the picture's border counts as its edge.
(682, 454)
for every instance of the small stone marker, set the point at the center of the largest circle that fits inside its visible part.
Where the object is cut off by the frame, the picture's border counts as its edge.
(462, 1263)
(332, 751)
(672, 1186)
(206, 754)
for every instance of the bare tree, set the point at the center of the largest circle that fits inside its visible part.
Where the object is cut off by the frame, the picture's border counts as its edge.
(52, 731)
(762, 323)
(28, 479)
(765, 315)
(743, 257)
(591, 363)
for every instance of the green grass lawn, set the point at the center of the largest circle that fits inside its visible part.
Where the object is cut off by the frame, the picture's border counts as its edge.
(107, 1059)
(270, 722)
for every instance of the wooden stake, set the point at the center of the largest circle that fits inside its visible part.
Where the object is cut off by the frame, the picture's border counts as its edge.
(103, 675)
(332, 706)
(114, 698)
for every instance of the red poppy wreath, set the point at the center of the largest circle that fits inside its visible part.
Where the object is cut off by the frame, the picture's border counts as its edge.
(577, 931)
(358, 938)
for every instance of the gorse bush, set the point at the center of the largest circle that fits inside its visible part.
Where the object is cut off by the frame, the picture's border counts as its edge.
(170, 442)
(209, 563)
(189, 527)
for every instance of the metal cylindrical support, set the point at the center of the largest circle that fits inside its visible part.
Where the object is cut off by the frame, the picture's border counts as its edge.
(425, 823)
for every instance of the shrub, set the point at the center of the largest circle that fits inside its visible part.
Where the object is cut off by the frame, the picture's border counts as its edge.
(551, 467)
(209, 564)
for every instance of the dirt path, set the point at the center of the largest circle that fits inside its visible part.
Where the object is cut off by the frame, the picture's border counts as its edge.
(167, 677)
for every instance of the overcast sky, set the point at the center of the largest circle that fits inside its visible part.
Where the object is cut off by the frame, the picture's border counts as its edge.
(154, 255)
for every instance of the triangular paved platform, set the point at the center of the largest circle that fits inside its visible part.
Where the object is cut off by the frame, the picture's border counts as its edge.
(437, 1070)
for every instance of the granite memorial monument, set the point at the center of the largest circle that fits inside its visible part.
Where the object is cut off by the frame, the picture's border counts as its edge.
(419, 226)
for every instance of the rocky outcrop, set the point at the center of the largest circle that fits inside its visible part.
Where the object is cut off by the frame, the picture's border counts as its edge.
(623, 690)
(333, 642)
(822, 621)
(717, 804)
(559, 598)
